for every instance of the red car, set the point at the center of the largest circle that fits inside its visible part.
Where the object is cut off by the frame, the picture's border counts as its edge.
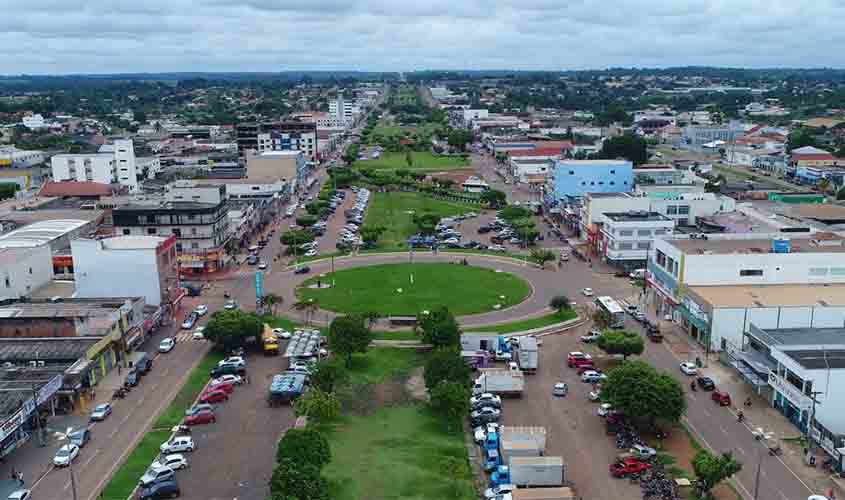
(203, 417)
(226, 387)
(213, 396)
(576, 359)
(627, 467)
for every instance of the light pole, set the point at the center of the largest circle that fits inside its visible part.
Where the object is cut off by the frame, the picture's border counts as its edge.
(41, 442)
(757, 476)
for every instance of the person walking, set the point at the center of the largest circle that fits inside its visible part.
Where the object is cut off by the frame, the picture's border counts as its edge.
(20, 477)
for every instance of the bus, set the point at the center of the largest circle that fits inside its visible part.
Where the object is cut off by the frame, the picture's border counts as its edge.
(613, 310)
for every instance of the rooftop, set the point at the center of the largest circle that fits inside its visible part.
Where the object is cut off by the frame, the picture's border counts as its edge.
(771, 295)
(800, 336)
(40, 233)
(46, 349)
(594, 163)
(818, 359)
(724, 246)
(66, 308)
(132, 242)
(73, 188)
(636, 216)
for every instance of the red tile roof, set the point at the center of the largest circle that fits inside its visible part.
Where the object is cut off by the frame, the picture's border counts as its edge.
(813, 157)
(545, 151)
(73, 188)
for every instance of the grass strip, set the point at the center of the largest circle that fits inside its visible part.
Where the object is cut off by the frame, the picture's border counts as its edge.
(125, 479)
(525, 324)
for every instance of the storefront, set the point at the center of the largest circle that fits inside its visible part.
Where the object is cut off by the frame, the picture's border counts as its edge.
(103, 358)
(22, 424)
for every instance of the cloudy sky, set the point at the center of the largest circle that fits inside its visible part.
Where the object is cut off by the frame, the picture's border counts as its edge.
(103, 36)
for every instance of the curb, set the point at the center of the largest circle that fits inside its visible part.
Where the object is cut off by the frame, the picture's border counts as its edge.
(502, 258)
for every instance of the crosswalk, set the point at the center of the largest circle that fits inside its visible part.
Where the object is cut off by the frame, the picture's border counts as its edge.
(185, 337)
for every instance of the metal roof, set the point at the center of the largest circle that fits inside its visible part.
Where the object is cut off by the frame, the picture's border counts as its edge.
(40, 233)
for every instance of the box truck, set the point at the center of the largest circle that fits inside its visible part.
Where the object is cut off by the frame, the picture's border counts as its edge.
(503, 381)
(528, 355)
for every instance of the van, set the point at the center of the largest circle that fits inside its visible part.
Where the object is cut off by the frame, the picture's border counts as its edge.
(637, 274)
(140, 362)
(252, 260)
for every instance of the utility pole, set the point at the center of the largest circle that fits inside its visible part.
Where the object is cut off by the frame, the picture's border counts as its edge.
(41, 442)
(757, 476)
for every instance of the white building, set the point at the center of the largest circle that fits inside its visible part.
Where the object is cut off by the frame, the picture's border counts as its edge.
(627, 237)
(343, 111)
(114, 164)
(475, 185)
(126, 266)
(11, 156)
(24, 270)
(683, 208)
(34, 122)
(471, 115)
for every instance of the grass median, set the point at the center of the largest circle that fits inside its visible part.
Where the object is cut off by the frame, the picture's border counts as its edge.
(124, 480)
(525, 324)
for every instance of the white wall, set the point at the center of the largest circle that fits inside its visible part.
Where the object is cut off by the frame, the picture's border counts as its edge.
(115, 273)
(730, 323)
(16, 271)
(101, 168)
(778, 268)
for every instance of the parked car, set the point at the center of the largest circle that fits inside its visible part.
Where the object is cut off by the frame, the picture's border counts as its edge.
(281, 334)
(230, 305)
(591, 337)
(501, 492)
(560, 389)
(577, 358)
(485, 415)
(79, 437)
(705, 383)
(155, 491)
(20, 495)
(627, 467)
(302, 270)
(226, 387)
(201, 310)
(485, 403)
(228, 379)
(688, 368)
(486, 397)
(157, 474)
(593, 376)
(214, 397)
(200, 418)
(166, 345)
(594, 395)
(65, 455)
(199, 333)
(189, 321)
(101, 412)
(233, 360)
(219, 371)
(177, 444)
(198, 408)
(588, 292)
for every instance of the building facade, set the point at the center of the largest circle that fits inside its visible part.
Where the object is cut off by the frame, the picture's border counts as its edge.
(116, 165)
(627, 237)
(574, 178)
(278, 136)
(278, 166)
(24, 270)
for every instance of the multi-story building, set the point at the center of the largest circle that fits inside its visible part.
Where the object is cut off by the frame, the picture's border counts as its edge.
(194, 212)
(278, 166)
(657, 174)
(574, 178)
(343, 110)
(627, 237)
(24, 270)
(279, 136)
(470, 115)
(127, 265)
(698, 135)
(11, 156)
(115, 165)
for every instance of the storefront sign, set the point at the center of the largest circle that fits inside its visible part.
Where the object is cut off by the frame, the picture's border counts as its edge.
(62, 261)
(19, 417)
(47, 390)
(790, 392)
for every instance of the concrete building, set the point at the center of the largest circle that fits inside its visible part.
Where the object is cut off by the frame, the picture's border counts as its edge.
(342, 110)
(657, 174)
(699, 135)
(278, 136)
(34, 122)
(11, 156)
(627, 237)
(24, 270)
(573, 178)
(278, 166)
(470, 115)
(474, 185)
(194, 212)
(115, 165)
(127, 265)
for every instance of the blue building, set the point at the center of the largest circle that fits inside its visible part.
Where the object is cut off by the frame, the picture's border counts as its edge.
(573, 178)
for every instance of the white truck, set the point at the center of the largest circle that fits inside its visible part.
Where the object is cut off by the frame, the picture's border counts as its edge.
(521, 441)
(536, 471)
(543, 494)
(528, 355)
(502, 381)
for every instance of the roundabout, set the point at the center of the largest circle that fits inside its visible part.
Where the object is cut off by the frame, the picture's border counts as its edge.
(403, 289)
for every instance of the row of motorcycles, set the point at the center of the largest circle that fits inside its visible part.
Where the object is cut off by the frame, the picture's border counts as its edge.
(655, 483)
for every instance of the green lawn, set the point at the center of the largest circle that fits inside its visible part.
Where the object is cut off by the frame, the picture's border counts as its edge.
(126, 478)
(464, 289)
(421, 162)
(379, 364)
(395, 335)
(526, 324)
(395, 210)
(396, 453)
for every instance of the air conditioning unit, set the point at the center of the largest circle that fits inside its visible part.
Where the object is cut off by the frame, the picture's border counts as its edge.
(33, 364)
(41, 364)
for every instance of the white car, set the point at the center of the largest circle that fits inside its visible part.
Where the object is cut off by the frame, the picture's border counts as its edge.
(281, 334)
(503, 356)
(199, 333)
(232, 360)
(65, 455)
(166, 345)
(227, 379)
(175, 461)
(688, 368)
(560, 389)
(502, 489)
(20, 495)
(177, 445)
(485, 397)
(480, 432)
(594, 395)
(591, 337)
(230, 305)
(592, 376)
(604, 409)
(201, 309)
(262, 265)
(643, 451)
(588, 292)
(155, 474)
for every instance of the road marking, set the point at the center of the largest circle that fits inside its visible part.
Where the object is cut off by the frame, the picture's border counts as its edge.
(43, 476)
(158, 355)
(92, 457)
(705, 412)
(724, 431)
(123, 421)
(67, 485)
(113, 432)
(141, 401)
(701, 437)
(782, 495)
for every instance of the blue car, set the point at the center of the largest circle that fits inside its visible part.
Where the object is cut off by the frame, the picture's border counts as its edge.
(492, 460)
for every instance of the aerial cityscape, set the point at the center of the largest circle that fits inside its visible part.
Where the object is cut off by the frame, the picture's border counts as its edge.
(355, 250)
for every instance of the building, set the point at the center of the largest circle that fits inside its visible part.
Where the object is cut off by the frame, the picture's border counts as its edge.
(573, 178)
(474, 185)
(692, 278)
(24, 270)
(343, 111)
(627, 236)
(11, 156)
(700, 135)
(196, 213)
(770, 160)
(278, 136)
(470, 115)
(278, 166)
(34, 122)
(114, 165)
(657, 174)
(127, 265)
(55, 233)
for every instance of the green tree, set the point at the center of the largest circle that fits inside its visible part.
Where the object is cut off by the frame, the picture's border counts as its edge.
(319, 406)
(231, 328)
(542, 256)
(560, 303)
(626, 146)
(8, 190)
(296, 237)
(601, 319)
(446, 364)
(514, 212)
(458, 138)
(426, 222)
(710, 470)
(273, 300)
(371, 317)
(612, 115)
(450, 400)
(409, 159)
(823, 185)
(439, 328)
(370, 233)
(306, 220)
(308, 446)
(494, 198)
(328, 374)
(800, 138)
(621, 342)
(349, 335)
(638, 390)
(293, 480)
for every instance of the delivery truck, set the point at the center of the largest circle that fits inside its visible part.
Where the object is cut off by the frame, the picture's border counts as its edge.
(543, 494)
(502, 381)
(528, 355)
(529, 472)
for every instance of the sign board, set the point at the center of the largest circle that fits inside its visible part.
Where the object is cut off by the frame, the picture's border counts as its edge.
(790, 392)
(259, 285)
(50, 388)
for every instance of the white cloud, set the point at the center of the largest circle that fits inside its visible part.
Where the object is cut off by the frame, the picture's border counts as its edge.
(53, 36)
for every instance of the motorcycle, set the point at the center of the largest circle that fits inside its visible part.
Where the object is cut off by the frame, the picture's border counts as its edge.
(119, 393)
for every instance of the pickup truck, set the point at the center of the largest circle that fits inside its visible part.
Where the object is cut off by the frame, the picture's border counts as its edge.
(627, 467)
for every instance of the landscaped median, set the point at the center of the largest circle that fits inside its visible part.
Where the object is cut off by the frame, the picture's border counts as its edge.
(125, 479)
(525, 324)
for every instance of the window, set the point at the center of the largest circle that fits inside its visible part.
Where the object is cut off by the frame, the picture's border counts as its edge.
(626, 246)
(601, 183)
(592, 183)
(683, 209)
(659, 232)
(626, 232)
(151, 230)
(193, 231)
(751, 272)
(671, 209)
(837, 271)
(613, 171)
(195, 246)
(30, 270)
(8, 283)
(571, 172)
(660, 259)
(818, 271)
(644, 232)
(644, 245)
(177, 232)
(126, 232)
(178, 247)
(612, 183)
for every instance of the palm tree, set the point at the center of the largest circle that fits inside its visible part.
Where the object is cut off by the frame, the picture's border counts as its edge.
(823, 185)
(273, 300)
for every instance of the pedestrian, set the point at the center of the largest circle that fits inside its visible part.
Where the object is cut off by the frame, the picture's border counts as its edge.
(14, 474)
(20, 477)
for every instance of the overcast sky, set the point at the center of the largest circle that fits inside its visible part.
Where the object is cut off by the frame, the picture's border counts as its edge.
(110, 36)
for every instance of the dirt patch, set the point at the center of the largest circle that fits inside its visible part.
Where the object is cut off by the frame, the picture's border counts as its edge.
(681, 447)
(416, 385)
(362, 399)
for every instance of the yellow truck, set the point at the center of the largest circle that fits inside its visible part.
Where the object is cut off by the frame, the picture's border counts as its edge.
(269, 341)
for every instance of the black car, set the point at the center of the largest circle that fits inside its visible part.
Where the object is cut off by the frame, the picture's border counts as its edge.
(484, 229)
(485, 403)
(80, 437)
(705, 383)
(227, 369)
(302, 270)
(164, 489)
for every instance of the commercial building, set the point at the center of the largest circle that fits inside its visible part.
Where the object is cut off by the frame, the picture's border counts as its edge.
(278, 136)
(714, 285)
(470, 115)
(11, 156)
(28, 392)
(574, 178)
(627, 237)
(698, 135)
(24, 270)
(127, 265)
(34, 122)
(278, 166)
(115, 165)
(194, 212)
(342, 110)
(54, 233)
(657, 174)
